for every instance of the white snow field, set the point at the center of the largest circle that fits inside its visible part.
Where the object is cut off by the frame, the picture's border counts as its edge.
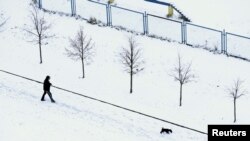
(24, 117)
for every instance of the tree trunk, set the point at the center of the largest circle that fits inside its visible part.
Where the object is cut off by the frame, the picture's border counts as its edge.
(234, 110)
(40, 50)
(131, 82)
(181, 94)
(83, 72)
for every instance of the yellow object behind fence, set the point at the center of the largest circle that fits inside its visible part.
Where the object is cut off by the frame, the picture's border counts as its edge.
(170, 11)
(111, 1)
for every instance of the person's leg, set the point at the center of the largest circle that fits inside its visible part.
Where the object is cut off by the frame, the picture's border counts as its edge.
(42, 99)
(51, 98)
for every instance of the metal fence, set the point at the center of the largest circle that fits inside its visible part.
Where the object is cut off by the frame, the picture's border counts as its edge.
(57, 5)
(204, 37)
(237, 46)
(166, 28)
(119, 17)
(88, 9)
(198, 36)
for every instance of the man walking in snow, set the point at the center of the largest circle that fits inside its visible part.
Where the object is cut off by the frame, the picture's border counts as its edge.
(46, 88)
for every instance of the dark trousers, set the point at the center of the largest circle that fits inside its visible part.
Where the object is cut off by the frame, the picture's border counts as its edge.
(50, 96)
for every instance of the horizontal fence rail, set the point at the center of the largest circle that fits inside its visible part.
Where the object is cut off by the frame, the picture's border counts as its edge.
(237, 46)
(184, 32)
(97, 2)
(94, 10)
(204, 37)
(164, 18)
(59, 5)
(208, 28)
(166, 28)
(126, 9)
(228, 33)
(107, 103)
(119, 17)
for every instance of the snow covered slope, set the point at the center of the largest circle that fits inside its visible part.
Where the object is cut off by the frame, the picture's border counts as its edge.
(24, 117)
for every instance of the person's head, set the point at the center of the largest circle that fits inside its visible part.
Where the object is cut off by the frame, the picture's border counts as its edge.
(47, 77)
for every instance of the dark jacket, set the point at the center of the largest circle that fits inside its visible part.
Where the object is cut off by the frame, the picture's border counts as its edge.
(46, 84)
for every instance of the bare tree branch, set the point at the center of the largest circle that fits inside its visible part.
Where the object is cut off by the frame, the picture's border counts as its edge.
(183, 74)
(39, 29)
(236, 91)
(81, 48)
(131, 59)
(31, 32)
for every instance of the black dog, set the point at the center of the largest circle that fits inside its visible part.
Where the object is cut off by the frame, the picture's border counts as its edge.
(168, 131)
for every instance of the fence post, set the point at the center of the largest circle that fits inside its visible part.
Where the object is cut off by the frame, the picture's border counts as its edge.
(72, 12)
(40, 4)
(145, 23)
(185, 29)
(223, 42)
(107, 14)
(147, 29)
(184, 32)
(110, 15)
(73, 7)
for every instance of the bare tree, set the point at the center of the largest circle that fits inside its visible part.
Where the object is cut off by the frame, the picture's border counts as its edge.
(81, 48)
(132, 60)
(39, 29)
(236, 92)
(183, 74)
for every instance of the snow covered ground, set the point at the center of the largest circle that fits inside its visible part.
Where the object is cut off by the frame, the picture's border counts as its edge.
(24, 117)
